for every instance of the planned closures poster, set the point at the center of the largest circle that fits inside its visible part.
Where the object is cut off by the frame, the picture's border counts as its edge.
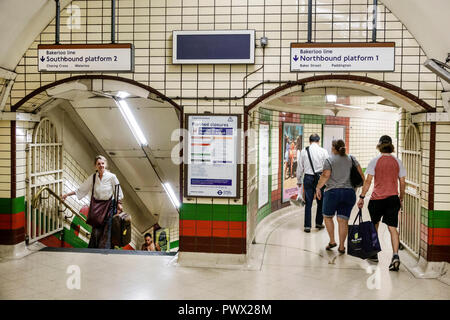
(212, 156)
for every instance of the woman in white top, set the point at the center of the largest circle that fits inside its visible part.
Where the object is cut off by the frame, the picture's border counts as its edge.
(104, 186)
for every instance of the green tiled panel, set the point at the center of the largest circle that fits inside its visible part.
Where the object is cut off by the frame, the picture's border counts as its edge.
(238, 213)
(267, 209)
(220, 213)
(78, 221)
(18, 205)
(439, 215)
(265, 115)
(216, 212)
(435, 218)
(71, 238)
(11, 206)
(174, 244)
(438, 223)
(312, 118)
(424, 212)
(264, 212)
(5, 205)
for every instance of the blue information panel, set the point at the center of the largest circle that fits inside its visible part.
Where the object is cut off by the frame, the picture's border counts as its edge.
(214, 47)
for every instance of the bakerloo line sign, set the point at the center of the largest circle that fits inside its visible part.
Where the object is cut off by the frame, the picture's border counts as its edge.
(343, 57)
(86, 57)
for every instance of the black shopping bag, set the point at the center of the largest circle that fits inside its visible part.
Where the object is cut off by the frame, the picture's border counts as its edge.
(362, 241)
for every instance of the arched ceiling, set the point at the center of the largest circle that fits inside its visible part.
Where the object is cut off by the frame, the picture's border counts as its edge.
(21, 21)
(141, 170)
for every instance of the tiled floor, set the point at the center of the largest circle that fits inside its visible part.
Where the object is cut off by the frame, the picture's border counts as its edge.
(295, 266)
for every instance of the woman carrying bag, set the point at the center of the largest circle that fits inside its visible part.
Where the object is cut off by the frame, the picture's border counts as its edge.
(339, 196)
(101, 186)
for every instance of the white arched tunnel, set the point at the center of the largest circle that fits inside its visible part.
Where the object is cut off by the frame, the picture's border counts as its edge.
(90, 121)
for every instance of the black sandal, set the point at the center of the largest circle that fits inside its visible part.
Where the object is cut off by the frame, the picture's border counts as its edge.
(331, 246)
(341, 251)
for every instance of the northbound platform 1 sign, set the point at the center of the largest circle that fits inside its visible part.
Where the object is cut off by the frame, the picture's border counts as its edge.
(86, 58)
(343, 57)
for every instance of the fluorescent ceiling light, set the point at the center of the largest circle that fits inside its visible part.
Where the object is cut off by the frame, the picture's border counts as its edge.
(346, 106)
(123, 94)
(331, 98)
(173, 198)
(131, 121)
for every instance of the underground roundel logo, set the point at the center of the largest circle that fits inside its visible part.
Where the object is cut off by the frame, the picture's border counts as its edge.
(219, 192)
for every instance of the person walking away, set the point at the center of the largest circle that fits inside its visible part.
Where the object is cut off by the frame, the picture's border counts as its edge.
(385, 202)
(310, 165)
(339, 196)
(100, 186)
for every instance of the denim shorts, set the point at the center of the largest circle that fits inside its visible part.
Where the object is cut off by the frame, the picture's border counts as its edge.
(340, 201)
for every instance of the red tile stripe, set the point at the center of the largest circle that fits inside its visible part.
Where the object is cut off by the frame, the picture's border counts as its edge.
(12, 221)
(439, 237)
(220, 229)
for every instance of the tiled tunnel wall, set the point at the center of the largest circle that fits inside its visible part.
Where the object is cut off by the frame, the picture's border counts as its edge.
(149, 25)
(362, 135)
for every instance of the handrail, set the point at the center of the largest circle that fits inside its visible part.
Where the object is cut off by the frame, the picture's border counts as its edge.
(37, 197)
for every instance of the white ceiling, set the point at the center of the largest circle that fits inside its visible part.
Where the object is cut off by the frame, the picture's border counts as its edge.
(157, 121)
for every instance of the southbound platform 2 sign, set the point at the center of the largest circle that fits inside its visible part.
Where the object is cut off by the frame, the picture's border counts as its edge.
(86, 57)
(213, 154)
(343, 57)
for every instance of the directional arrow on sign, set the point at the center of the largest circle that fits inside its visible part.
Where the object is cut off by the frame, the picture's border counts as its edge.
(295, 58)
(42, 59)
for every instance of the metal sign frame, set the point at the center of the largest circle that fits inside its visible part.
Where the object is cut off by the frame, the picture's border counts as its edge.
(238, 156)
(342, 45)
(129, 46)
(251, 60)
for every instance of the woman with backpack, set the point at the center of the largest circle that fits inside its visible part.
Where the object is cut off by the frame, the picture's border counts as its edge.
(339, 196)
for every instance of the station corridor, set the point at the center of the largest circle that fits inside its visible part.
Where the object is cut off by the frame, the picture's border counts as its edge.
(295, 265)
(159, 149)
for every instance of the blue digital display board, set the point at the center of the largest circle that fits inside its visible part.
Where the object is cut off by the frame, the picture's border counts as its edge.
(214, 47)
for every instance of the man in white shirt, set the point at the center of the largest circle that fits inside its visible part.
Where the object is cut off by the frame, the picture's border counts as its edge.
(317, 156)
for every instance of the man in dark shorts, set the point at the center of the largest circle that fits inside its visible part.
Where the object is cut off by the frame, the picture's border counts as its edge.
(385, 201)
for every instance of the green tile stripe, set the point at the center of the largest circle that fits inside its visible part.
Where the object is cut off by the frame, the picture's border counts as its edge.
(267, 209)
(265, 114)
(210, 212)
(438, 219)
(174, 244)
(312, 118)
(12, 205)
(78, 221)
(435, 218)
(75, 241)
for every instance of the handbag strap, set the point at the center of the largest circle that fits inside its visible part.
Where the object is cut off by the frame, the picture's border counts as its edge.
(359, 215)
(116, 198)
(353, 161)
(93, 184)
(310, 161)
